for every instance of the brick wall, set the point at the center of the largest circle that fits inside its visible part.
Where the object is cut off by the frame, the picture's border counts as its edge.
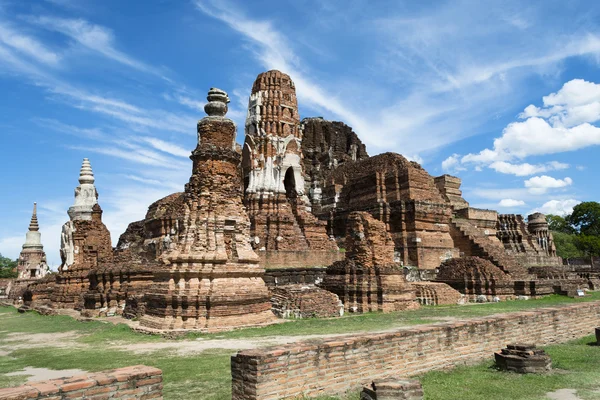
(294, 276)
(298, 259)
(136, 382)
(336, 365)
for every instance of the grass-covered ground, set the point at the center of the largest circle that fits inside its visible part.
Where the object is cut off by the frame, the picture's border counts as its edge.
(93, 347)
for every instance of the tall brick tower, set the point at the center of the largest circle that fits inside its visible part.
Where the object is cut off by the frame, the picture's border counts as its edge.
(273, 174)
(210, 279)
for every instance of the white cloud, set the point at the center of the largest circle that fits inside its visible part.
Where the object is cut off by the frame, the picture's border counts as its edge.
(166, 147)
(452, 164)
(93, 37)
(557, 207)
(28, 46)
(563, 124)
(508, 203)
(541, 184)
(526, 169)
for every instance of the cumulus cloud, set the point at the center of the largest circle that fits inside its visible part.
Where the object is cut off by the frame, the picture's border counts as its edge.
(564, 123)
(541, 184)
(557, 207)
(452, 164)
(508, 203)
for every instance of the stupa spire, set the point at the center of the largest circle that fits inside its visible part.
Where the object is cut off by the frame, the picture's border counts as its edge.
(33, 225)
(86, 195)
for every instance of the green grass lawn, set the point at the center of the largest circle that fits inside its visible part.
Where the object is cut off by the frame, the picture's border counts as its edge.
(207, 375)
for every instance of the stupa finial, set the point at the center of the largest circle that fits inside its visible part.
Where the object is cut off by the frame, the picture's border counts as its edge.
(217, 103)
(85, 174)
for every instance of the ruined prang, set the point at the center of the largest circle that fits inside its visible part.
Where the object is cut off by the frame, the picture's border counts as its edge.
(210, 279)
(274, 179)
(326, 145)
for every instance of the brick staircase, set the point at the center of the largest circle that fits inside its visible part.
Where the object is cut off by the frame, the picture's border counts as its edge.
(487, 247)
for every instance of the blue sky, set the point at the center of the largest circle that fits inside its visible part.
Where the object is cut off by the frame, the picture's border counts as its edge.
(502, 94)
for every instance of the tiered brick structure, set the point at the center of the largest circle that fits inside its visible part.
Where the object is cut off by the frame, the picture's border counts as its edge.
(531, 243)
(402, 195)
(85, 244)
(474, 276)
(449, 187)
(325, 146)
(523, 359)
(273, 173)
(473, 231)
(369, 280)
(32, 260)
(210, 279)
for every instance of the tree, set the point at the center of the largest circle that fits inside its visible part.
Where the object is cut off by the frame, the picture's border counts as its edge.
(8, 267)
(588, 244)
(566, 245)
(586, 218)
(556, 223)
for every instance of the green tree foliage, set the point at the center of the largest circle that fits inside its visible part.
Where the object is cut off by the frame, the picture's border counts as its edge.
(588, 244)
(566, 245)
(556, 223)
(8, 267)
(578, 234)
(586, 218)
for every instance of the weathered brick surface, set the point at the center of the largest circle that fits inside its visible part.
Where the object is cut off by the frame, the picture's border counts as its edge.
(137, 382)
(210, 279)
(291, 276)
(299, 259)
(368, 279)
(532, 242)
(399, 193)
(349, 362)
(273, 171)
(304, 301)
(326, 145)
(436, 293)
(92, 239)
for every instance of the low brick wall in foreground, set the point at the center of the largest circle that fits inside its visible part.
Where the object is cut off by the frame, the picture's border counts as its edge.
(336, 365)
(137, 382)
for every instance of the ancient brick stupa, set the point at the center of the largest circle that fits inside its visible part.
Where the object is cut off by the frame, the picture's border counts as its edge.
(32, 260)
(278, 207)
(84, 244)
(210, 279)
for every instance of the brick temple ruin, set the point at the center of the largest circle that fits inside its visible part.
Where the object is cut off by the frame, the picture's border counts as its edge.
(299, 221)
(274, 177)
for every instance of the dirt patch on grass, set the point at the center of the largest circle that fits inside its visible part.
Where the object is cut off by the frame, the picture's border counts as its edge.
(18, 340)
(186, 347)
(43, 374)
(563, 394)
